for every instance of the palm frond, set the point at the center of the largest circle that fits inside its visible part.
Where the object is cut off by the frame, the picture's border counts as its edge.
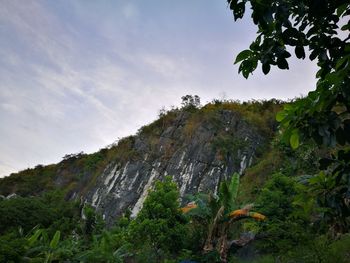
(238, 213)
(188, 207)
(233, 187)
(229, 191)
(257, 216)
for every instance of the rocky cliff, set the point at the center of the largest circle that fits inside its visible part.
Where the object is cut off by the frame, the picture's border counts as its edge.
(198, 148)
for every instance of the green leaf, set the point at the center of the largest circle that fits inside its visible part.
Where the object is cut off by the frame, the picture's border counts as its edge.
(288, 107)
(255, 45)
(55, 239)
(282, 63)
(286, 54)
(247, 67)
(294, 139)
(266, 68)
(34, 237)
(239, 10)
(314, 54)
(341, 9)
(243, 55)
(280, 116)
(234, 184)
(341, 63)
(345, 27)
(300, 52)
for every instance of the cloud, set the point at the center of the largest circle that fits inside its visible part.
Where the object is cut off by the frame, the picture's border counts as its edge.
(78, 75)
(130, 11)
(10, 108)
(167, 66)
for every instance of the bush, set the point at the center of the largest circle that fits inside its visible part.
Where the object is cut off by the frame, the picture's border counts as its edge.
(160, 227)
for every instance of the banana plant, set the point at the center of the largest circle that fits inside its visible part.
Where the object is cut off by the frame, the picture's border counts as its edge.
(103, 249)
(224, 211)
(40, 247)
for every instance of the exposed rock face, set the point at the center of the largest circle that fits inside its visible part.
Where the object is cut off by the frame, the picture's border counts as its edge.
(194, 160)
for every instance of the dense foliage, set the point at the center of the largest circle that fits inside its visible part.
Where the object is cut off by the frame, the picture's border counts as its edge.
(285, 185)
(160, 226)
(305, 194)
(322, 26)
(54, 231)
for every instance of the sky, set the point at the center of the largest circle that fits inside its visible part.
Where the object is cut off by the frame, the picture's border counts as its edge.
(79, 75)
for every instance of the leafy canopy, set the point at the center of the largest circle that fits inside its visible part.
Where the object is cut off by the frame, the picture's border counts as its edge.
(160, 224)
(323, 27)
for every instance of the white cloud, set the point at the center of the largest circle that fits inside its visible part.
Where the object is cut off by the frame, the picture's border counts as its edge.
(78, 80)
(168, 66)
(130, 11)
(10, 107)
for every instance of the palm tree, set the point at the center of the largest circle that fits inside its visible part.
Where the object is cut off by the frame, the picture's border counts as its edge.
(40, 247)
(223, 213)
(104, 249)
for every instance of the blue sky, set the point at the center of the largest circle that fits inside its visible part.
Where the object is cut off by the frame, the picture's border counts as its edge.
(77, 75)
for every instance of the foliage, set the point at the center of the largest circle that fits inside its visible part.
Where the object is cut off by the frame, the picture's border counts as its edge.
(190, 102)
(160, 233)
(284, 229)
(104, 248)
(300, 205)
(166, 118)
(12, 247)
(324, 115)
(220, 212)
(29, 181)
(21, 218)
(160, 225)
(77, 173)
(228, 146)
(259, 113)
(92, 222)
(330, 193)
(296, 24)
(47, 250)
(274, 199)
(50, 210)
(256, 175)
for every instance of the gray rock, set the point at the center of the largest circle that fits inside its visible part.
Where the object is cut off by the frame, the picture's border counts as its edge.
(10, 196)
(194, 164)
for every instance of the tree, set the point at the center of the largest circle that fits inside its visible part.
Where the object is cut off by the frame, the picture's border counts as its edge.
(104, 248)
(323, 27)
(160, 225)
(324, 113)
(42, 248)
(277, 200)
(223, 211)
(190, 101)
(49, 210)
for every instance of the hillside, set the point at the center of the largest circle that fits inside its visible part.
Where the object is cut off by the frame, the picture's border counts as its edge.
(198, 146)
(211, 184)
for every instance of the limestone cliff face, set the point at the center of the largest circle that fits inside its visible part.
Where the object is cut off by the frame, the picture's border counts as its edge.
(198, 155)
(198, 148)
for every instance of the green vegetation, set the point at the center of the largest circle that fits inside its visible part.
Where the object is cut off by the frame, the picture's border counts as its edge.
(297, 227)
(159, 229)
(304, 193)
(290, 187)
(220, 212)
(324, 114)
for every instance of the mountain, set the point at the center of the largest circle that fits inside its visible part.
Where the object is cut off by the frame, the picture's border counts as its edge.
(197, 146)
